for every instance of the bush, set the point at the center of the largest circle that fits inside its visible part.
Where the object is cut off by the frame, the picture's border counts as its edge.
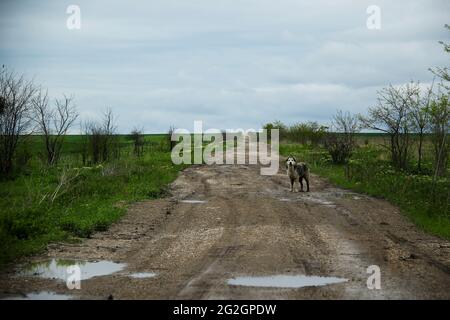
(301, 132)
(338, 148)
(341, 142)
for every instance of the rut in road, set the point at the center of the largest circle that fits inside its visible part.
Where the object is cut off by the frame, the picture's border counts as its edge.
(227, 221)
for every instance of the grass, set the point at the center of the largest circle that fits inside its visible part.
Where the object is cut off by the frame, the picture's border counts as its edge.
(62, 203)
(424, 202)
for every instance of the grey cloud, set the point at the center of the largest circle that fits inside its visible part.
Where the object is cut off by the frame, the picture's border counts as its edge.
(158, 63)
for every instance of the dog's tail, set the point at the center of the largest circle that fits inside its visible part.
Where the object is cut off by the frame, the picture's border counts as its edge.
(303, 169)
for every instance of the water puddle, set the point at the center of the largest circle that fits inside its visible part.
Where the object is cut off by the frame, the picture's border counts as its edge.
(142, 275)
(43, 295)
(61, 268)
(321, 201)
(193, 201)
(309, 198)
(284, 281)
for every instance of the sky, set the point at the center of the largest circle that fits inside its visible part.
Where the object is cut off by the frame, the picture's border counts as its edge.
(230, 63)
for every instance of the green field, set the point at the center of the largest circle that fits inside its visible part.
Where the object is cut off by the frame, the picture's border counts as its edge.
(62, 203)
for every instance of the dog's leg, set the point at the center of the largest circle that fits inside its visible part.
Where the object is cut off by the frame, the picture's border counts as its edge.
(300, 181)
(307, 184)
(292, 184)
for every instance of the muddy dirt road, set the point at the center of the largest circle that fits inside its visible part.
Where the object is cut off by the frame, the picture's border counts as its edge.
(225, 222)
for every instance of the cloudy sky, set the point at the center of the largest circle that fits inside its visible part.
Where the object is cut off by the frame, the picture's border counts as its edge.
(230, 63)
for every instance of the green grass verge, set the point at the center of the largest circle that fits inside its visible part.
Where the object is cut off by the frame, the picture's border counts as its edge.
(33, 213)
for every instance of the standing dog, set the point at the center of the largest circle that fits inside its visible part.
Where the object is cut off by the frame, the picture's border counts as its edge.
(297, 170)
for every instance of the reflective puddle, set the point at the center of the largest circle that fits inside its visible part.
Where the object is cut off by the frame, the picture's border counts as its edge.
(142, 275)
(61, 268)
(284, 281)
(321, 202)
(193, 201)
(43, 295)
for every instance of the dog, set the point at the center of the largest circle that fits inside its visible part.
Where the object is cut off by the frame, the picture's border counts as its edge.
(297, 170)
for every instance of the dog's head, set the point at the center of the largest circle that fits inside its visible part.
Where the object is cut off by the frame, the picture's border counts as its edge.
(291, 162)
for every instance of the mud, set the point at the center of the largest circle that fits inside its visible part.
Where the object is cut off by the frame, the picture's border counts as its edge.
(248, 225)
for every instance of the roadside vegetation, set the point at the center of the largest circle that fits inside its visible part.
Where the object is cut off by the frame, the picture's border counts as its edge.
(45, 203)
(60, 187)
(421, 197)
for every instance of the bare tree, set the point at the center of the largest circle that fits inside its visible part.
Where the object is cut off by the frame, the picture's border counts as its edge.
(443, 72)
(100, 141)
(392, 115)
(419, 106)
(85, 142)
(15, 97)
(440, 121)
(53, 123)
(340, 140)
(110, 145)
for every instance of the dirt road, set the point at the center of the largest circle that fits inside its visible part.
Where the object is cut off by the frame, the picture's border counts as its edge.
(223, 222)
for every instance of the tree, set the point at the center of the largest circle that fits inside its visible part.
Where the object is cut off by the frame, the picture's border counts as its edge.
(282, 129)
(340, 140)
(100, 142)
(440, 121)
(171, 143)
(419, 106)
(439, 114)
(443, 72)
(110, 145)
(392, 115)
(53, 123)
(15, 97)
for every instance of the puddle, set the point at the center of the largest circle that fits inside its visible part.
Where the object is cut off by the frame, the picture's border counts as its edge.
(321, 202)
(285, 199)
(284, 281)
(59, 268)
(43, 295)
(142, 275)
(193, 201)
